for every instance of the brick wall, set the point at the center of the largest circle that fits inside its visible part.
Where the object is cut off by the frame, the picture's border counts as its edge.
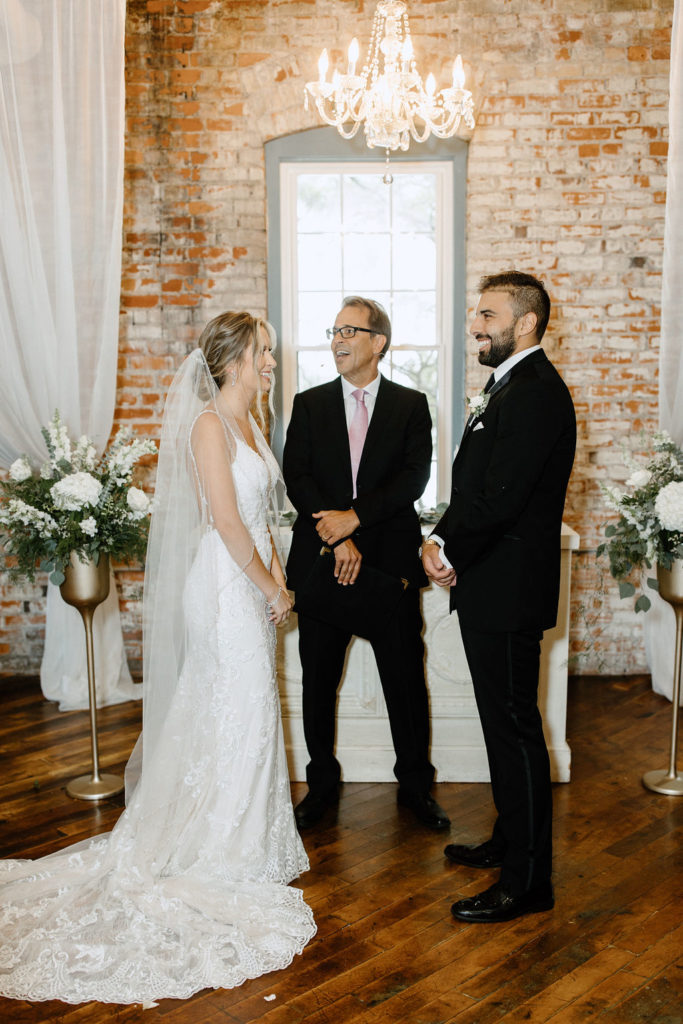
(567, 176)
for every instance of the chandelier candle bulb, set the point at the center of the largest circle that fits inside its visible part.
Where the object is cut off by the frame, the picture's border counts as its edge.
(323, 65)
(354, 50)
(458, 73)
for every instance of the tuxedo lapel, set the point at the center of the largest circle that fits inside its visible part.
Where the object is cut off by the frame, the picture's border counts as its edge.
(339, 433)
(377, 426)
(474, 417)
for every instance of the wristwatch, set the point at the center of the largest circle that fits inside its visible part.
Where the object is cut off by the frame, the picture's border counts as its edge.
(428, 540)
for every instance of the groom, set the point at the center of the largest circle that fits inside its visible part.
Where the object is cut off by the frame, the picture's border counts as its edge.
(356, 459)
(497, 547)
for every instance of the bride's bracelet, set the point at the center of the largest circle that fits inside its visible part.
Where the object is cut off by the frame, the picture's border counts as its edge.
(270, 605)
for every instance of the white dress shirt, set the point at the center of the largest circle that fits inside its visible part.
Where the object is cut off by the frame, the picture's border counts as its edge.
(370, 390)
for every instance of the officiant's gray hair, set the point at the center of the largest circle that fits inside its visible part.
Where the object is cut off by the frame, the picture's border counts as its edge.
(226, 339)
(527, 295)
(378, 318)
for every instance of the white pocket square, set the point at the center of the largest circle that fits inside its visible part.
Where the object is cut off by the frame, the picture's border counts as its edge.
(479, 426)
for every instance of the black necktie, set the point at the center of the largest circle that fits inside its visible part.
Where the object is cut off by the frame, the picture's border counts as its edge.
(489, 383)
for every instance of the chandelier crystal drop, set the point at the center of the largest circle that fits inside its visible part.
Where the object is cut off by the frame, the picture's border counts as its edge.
(388, 97)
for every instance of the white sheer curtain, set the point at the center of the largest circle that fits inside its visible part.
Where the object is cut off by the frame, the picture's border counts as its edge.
(61, 202)
(660, 622)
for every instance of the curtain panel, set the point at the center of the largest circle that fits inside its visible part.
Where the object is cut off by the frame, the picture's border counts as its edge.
(61, 204)
(660, 620)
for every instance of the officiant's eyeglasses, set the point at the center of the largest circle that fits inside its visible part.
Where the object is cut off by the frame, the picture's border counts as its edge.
(347, 332)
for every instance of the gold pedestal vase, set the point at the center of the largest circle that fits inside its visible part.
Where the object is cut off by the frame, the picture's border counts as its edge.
(670, 782)
(87, 585)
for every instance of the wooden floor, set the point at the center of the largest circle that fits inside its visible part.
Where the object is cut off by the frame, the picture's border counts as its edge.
(387, 949)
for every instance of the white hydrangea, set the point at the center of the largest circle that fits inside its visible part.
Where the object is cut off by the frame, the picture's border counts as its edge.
(138, 502)
(20, 469)
(89, 526)
(639, 478)
(75, 491)
(669, 507)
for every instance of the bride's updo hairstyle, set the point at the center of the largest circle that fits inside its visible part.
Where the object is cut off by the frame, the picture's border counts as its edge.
(225, 341)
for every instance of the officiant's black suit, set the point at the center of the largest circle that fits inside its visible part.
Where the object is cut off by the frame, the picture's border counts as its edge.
(502, 536)
(393, 472)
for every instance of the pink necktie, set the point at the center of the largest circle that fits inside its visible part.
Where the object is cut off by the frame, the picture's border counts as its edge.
(358, 429)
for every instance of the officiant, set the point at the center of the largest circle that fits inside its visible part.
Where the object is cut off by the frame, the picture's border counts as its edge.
(356, 459)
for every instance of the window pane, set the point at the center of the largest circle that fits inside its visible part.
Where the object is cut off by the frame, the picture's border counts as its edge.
(416, 370)
(419, 370)
(414, 202)
(414, 261)
(317, 311)
(414, 318)
(318, 202)
(314, 368)
(319, 262)
(367, 263)
(366, 202)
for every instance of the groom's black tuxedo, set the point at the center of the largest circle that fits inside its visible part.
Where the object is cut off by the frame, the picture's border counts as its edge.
(502, 536)
(393, 472)
(510, 475)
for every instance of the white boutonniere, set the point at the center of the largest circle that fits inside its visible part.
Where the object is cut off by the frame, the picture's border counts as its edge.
(476, 404)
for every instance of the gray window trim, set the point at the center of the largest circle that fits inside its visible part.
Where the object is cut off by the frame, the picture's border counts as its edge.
(325, 144)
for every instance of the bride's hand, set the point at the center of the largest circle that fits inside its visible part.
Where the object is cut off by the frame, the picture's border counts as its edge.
(279, 607)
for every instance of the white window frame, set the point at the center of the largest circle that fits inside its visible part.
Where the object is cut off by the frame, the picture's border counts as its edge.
(288, 349)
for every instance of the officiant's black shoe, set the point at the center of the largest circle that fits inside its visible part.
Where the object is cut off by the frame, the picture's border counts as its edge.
(313, 807)
(425, 809)
(486, 855)
(497, 904)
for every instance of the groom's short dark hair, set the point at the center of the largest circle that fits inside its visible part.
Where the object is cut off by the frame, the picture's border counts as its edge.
(378, 318)
(527, 295)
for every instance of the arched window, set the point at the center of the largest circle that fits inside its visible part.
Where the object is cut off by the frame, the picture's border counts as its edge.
(335, 229)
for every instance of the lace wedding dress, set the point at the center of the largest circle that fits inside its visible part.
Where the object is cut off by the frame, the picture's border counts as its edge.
(190, 889)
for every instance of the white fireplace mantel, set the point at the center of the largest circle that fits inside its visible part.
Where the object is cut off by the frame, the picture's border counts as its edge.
(364, 746)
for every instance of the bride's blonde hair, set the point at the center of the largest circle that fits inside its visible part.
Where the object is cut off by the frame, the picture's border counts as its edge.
(225, 341)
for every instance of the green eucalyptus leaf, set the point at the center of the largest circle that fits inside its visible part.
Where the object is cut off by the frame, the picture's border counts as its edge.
(57, 577)
(610, 530)
(626, 589)
(653, 584)
(643, 603)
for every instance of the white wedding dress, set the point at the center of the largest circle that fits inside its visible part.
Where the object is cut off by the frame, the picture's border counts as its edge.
(190, 889)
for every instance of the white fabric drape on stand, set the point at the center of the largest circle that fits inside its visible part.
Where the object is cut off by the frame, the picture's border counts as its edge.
(660, 621)
(61, 208)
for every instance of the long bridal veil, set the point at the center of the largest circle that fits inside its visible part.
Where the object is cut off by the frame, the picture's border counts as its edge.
(190, 890)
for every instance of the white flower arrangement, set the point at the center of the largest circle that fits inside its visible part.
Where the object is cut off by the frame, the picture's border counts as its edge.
(649, 530)
(476, 404)
(74, 502)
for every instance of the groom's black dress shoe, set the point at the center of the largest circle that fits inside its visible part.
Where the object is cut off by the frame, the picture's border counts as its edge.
(313, 807)
(497, 904)
(486, 855)
(425, 808)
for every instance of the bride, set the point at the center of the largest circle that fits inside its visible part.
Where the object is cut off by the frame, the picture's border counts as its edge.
(190, 889)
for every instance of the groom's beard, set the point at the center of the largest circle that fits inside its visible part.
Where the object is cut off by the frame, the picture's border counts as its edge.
(501, 347)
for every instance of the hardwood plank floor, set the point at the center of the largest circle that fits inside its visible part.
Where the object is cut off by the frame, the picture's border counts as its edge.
(387, 949)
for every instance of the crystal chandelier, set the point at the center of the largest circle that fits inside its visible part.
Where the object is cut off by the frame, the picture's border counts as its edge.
(389, 98)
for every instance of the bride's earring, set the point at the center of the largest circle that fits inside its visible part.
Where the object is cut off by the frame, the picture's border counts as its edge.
(233, 378)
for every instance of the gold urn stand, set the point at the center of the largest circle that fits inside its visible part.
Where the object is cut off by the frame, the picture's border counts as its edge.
(87, 585)
(670, 781)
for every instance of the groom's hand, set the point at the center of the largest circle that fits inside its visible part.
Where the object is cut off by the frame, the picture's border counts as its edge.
(434, 567)
(333, 526)
(347, 559)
